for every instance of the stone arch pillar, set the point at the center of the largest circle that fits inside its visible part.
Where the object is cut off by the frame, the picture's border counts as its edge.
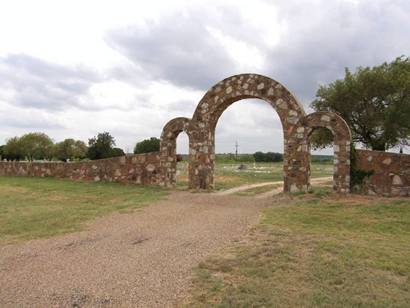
(220, 97)
(168, 146)
(299, 148)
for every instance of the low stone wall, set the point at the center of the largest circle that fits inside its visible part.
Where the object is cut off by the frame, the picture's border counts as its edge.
(391, 175)
(140, 169)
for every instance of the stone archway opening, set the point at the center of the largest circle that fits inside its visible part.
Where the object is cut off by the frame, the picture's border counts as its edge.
(322, 160)
(254, 126)
(182, 161)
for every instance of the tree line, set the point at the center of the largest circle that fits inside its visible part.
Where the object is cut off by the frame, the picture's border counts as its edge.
(39, 146)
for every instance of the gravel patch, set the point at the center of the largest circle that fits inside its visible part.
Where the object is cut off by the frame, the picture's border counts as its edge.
(142, 259)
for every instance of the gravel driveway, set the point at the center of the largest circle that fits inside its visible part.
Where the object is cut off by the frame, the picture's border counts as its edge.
(142, 259)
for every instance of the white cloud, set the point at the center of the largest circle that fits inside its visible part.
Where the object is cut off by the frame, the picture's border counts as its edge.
(76, 68)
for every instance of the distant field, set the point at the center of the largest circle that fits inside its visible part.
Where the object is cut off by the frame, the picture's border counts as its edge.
(315, 251)
(249, 158)
(42, 207)
(228, 175)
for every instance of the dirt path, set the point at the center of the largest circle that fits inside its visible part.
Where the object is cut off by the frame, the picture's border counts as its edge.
(143, 259)
(314, 181)
(244, 187)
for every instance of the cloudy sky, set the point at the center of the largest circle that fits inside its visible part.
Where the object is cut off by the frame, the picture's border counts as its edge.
(75, 68)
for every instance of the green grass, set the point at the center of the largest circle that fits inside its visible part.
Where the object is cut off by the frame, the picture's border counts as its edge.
(315, 252)
(33, 208)
(228, 176)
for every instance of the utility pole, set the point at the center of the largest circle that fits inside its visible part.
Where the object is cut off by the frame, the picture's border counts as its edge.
(236, 149)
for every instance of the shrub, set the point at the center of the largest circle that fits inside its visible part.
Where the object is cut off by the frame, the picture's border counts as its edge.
(147, 146)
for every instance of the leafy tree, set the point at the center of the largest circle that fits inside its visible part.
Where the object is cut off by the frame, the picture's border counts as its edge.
(12, 149)
(1, 152)
(147, 145)
(31, 146)
(321, 138)
(116, 152)
(80, 150)
(70, 149)
(100, 146)
(375, 102)
(35, 146)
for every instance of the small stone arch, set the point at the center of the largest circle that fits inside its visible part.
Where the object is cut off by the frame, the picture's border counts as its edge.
(299, 149)
(168, 146)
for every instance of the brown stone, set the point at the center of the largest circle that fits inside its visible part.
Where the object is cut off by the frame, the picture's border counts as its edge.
(391, 172)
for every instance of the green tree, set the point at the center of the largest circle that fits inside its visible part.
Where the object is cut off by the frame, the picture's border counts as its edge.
(36, 146)
(12, 149)
(117, 152)
(80, 150)
(268, 157)
(100, 146)
(321, 138)
(147, 145)
(70, 149)
(375, 102)
(1, 152)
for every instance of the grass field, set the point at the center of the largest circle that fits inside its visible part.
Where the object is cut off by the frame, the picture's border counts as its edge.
(316, 251)
(42, 207)
(227, 175)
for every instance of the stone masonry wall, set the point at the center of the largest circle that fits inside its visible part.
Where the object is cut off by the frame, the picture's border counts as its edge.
(391, 173)
(139, 169)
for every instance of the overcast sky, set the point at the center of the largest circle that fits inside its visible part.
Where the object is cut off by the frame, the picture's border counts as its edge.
(76, 68)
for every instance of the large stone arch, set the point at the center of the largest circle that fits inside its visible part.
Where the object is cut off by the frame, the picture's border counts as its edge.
(297, 127)
(220, 97)
(298, 147)
(168, 146)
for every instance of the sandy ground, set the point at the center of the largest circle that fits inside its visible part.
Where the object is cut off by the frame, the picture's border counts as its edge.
(142, 259)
